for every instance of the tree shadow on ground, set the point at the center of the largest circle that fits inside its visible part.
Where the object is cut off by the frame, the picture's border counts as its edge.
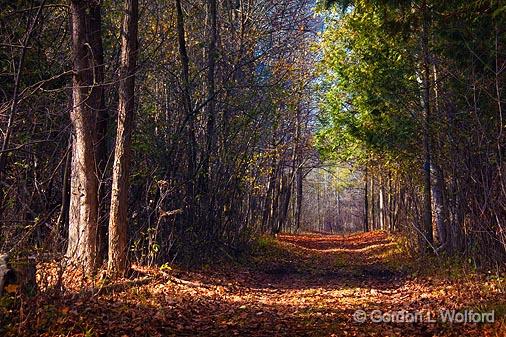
(311, 293)
(236, 312)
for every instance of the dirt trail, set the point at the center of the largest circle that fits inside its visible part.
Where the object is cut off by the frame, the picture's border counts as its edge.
(307, 285)
(316, 283)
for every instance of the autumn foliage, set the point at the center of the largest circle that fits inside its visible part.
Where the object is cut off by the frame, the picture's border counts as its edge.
(307, 285)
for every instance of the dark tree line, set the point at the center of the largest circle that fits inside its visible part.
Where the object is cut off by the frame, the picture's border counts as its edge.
(153, 130)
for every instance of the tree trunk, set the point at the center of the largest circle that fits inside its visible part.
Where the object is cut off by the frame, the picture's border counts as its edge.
(211, 64)
(285, 194)
(97, 98)
(269, 197)
(427, 198)
(439, 209)
(188, 109)
(381, 192)
(275, 208)
(438, 186)
(97, 91)
(207, 209)
(366, 201)
(389, 203)
(373, 206)
(119, 197)
(338, 222)
(298, 196)
(318, 207)
(82, 247)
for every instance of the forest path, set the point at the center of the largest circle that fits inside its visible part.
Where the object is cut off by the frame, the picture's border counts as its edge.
(304, 285)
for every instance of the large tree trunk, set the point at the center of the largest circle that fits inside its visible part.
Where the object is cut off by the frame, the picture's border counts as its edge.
(119, 197)
(82, 246)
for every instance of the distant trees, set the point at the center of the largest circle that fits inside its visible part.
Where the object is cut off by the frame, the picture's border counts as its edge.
(413, 95)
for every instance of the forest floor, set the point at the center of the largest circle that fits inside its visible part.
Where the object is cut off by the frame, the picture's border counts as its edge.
(304, 285)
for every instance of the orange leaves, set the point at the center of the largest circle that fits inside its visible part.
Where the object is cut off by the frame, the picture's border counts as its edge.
(11, 288)
(295, 288)
(64, 310)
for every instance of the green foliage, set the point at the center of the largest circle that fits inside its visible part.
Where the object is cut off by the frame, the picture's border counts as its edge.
(265, 243)
(367, 77)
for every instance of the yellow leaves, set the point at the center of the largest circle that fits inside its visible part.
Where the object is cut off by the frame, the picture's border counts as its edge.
(165, 267)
